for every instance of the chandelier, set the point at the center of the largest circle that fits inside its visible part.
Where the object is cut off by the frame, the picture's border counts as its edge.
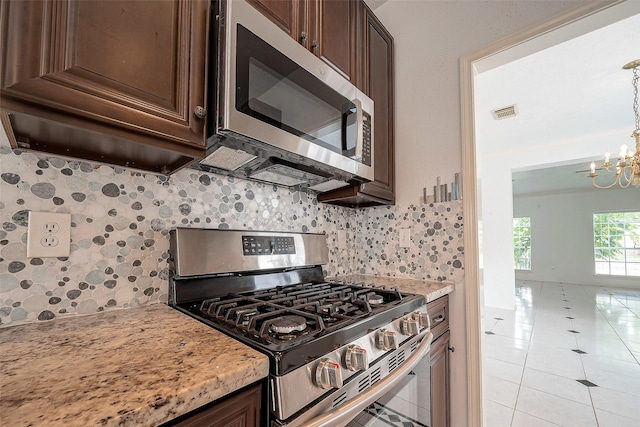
(627, 167)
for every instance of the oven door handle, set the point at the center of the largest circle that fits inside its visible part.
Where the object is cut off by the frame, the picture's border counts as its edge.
(341, 415)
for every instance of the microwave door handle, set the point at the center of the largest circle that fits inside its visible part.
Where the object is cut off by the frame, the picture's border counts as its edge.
(360, 135)
(344, 413)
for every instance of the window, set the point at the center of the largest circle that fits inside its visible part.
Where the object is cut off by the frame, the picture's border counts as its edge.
(616, 240)
(522, 243)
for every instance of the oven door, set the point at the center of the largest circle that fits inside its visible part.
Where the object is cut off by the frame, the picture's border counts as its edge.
(393, 394)
(407, 404)
(275, 91)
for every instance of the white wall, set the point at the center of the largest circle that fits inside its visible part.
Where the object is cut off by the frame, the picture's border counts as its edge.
(497, 202)
(497, 246)
(429, 38)
(564, 115)
(562, 234)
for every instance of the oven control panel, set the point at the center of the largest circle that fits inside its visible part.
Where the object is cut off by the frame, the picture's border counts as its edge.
(268, 245)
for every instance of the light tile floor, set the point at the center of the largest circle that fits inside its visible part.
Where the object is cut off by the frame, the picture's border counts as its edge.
(569, 355)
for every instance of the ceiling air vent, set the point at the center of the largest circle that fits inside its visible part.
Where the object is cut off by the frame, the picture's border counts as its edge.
(505, 113)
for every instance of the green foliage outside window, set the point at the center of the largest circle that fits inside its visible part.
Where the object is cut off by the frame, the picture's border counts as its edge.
(616, 237)
(522, 243)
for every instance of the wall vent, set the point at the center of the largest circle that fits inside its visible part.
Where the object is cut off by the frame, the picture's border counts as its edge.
(505, 113)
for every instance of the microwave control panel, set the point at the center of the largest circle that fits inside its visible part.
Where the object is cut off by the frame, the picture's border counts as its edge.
(366, 139)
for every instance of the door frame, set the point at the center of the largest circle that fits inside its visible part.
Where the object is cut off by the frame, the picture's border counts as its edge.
(540, 34)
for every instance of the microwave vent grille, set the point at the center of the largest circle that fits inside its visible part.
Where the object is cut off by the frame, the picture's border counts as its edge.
(228, 158)
(283, 175)
(329, 185)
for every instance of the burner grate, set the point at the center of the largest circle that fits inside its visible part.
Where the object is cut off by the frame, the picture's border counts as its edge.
(324, 306)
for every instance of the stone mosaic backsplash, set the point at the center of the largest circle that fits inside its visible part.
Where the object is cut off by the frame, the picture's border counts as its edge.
(121, 221)
(436, 251)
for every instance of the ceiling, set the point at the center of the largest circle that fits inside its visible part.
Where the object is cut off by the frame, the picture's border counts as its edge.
(553, 179)
(573, 91)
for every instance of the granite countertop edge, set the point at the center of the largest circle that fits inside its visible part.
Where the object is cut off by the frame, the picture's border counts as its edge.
(141, 366)
(430, 289)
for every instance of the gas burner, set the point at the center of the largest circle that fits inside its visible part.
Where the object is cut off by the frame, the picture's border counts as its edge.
(376, 299)
(331, 308)
(288, 324)
(246, 312)
(243, 315)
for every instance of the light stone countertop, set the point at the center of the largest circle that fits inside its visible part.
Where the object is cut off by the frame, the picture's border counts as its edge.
(431, 289)
(141, 366)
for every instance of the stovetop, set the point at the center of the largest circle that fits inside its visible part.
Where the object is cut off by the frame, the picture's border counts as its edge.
(286, 316)
(298, 323)
(268, 290)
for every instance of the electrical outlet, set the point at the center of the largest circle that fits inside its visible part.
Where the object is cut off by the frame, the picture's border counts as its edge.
(342, 239)
(405, 237)
(51, 227)
(49, 241)
(48, 235)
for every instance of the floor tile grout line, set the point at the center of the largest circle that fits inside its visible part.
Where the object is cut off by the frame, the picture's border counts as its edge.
(609, 322)
(540, 295)
(564, 296)
(626, 306)
(623, 342)
(526, 357)
(584, 371)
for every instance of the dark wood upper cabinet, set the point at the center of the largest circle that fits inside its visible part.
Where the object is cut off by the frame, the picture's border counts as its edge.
(327, 28)
(286, 14)
(119, 82)
(376, 80)
(333, 33)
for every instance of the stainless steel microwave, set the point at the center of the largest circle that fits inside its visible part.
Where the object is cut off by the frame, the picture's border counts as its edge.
(279, 113)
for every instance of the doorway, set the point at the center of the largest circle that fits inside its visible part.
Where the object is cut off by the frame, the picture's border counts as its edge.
(564, 27)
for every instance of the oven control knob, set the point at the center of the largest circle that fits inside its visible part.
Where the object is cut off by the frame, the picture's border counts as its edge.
(387, 340)
(355, 358)
(425, 321)
(410, 326)
(328, 374)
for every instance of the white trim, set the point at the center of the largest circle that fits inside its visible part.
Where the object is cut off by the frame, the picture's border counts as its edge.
(469, 180)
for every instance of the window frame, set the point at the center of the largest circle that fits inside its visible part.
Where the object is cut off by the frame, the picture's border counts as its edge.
(612, 245)
(517, 237)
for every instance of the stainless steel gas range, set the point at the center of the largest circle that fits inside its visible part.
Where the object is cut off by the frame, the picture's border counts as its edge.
(334, 348)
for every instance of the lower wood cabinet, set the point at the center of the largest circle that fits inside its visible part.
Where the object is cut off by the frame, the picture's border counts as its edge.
(440, 387)
(439, 361)
(240, 410)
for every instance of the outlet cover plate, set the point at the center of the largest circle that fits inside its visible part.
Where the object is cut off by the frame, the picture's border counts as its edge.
(405, 237)
(342, 239)
(48, 235)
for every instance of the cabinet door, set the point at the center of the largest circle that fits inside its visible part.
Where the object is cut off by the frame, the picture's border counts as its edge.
(333, 26)
(125, 66)
(378, 84)
(376, 70)
(286, 14)
(439, 312)
(439, 356)
(241, 410)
